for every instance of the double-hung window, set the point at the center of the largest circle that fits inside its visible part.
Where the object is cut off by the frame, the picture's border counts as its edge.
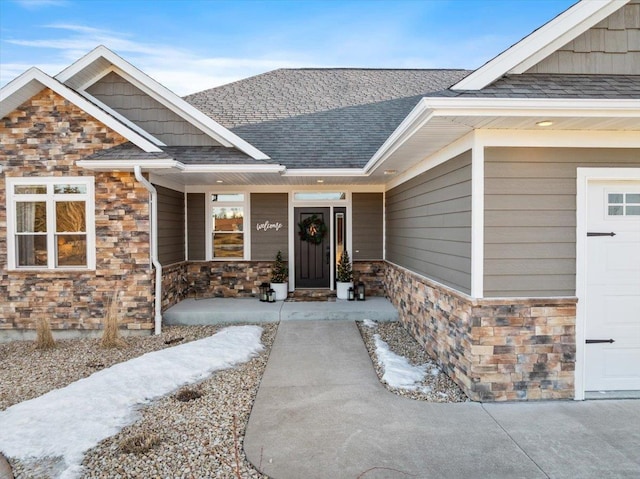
(228, 216)
(50, 223)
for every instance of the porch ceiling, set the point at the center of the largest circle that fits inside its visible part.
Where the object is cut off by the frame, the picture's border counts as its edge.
(440, 130)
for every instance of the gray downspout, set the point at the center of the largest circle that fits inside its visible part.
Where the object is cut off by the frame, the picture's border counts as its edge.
(154, 246)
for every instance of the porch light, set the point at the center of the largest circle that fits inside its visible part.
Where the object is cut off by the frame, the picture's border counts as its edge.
(271, 296)
(351, 295)
(264, 292)
(544, 123)
(361, 292)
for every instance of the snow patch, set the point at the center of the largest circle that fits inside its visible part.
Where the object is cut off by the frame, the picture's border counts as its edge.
(398, 372)
(60, 426)
(370, 324)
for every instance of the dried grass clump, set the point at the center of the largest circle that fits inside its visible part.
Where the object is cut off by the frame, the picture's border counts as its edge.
(111, 335)
(44, 337)
(188, 394)
(140, 443)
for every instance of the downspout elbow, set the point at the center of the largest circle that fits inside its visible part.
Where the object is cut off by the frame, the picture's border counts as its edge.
(154, 247)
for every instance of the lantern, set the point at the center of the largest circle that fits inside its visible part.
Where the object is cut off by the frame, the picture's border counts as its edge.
(351, 294)
(264, 290)
(360, 294)
(271, 296)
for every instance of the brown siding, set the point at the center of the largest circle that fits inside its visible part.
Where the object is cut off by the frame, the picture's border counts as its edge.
(271, 208)
(149, 114)
(530, 217)
(428, 223)
(170, 225)
(196, 221)
(610, 47)
(367, 225)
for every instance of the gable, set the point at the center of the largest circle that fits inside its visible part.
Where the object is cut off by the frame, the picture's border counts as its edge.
(610, 47)
(147, 113)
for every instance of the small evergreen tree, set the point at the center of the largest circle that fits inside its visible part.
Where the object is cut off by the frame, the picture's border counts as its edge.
(280, 271)
(344, 273)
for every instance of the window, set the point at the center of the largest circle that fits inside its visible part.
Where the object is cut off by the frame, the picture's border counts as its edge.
(623, 204)
(227, 225)
(50, 223)
(319, 196)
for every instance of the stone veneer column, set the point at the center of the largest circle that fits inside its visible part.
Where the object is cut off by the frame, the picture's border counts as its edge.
(44, 137)
(494, 349)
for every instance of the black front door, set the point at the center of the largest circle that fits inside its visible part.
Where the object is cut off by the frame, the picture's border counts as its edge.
(313, 253)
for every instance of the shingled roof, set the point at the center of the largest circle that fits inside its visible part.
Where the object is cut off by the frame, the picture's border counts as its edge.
(546, 85)
(187, 155)
(321, 118)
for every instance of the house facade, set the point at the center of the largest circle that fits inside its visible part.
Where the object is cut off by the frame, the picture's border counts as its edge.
(499, 209)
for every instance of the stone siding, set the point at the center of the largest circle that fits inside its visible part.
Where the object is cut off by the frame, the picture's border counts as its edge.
(372, 274)
(45, 137)
(232, 279)
(496, 350)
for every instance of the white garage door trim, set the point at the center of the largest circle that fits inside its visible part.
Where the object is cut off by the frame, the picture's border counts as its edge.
(584, 175)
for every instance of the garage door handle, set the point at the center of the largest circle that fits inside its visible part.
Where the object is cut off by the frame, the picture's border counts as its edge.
(601, 234)
(595, 341)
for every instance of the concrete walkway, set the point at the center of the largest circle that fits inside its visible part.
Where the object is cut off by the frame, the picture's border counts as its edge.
(322, 413)
(191, 312)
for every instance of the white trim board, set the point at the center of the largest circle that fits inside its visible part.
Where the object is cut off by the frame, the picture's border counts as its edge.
(584, 175)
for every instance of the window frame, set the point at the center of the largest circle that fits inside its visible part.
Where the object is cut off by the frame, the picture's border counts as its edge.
(246, 235)
(50, 198)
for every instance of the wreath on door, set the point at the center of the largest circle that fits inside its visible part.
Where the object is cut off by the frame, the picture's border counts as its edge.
(312, 230)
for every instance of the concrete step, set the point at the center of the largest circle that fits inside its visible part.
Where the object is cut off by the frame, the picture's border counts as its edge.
(232, 310)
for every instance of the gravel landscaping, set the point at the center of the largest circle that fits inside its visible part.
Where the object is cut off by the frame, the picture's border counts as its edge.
(179, 436)
(436, 386)
(195, 432)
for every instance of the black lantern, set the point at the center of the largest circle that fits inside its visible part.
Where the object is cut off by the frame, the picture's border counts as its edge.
(351, 294)
(264, 291)
(360, 294)
(271, 296)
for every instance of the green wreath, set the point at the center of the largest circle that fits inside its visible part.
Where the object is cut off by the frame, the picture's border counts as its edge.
(312, 230)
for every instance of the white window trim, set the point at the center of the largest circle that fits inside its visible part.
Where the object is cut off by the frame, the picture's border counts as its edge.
(245, 222)
(88, 197)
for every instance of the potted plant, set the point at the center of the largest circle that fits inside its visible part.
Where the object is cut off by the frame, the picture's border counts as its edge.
(279, 276)
(344, 276)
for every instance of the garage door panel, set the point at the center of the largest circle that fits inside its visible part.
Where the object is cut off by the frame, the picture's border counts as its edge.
(613, 287)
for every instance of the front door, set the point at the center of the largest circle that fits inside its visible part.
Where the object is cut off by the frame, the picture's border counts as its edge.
(612, 328)
(313, 247)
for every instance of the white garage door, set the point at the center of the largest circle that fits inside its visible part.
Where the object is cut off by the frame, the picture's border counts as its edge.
(612, 357)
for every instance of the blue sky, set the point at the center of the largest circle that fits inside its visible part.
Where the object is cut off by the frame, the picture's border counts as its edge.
(192, 45)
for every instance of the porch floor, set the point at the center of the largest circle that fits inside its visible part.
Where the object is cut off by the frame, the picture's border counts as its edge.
(228, 310)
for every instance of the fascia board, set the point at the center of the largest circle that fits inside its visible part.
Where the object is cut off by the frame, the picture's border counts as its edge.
(618, 108)
(233, 168)
(81, 102)
(166, 97)
(126, 165)
(541, 43)
(419, 116)
(315, 172)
